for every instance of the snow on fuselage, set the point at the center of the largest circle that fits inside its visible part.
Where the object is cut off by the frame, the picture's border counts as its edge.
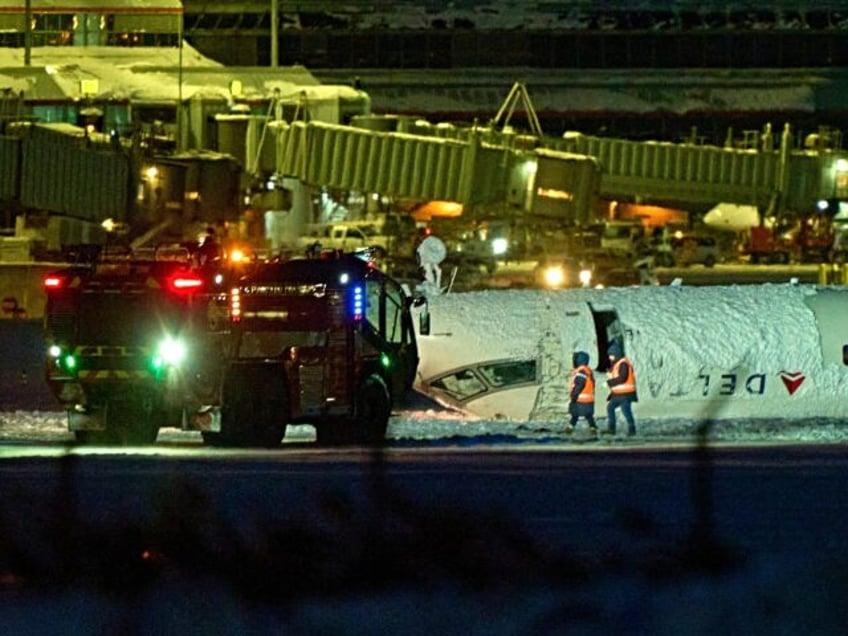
(699, 352)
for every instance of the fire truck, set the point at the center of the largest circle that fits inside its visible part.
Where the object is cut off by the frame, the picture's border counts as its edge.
(128, 337)
(327, 341)
(141, 342)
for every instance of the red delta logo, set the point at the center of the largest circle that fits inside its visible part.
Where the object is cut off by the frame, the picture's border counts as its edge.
(792, 380)
(733, 384)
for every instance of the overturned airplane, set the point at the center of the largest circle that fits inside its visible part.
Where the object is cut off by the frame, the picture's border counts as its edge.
(727, 352)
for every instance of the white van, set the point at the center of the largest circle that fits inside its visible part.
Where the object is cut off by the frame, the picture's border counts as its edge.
(693, 249)
(623, 237)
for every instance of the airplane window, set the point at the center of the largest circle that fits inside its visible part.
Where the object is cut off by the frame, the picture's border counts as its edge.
(461, 385)
(509, 373)
(845, 355)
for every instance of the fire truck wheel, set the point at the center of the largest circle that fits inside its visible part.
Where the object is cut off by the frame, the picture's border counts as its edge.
(370, 421)
(334, 433)
(254, 410)
(133, 422)
(373, 409)
(128, 423)
(269, 427)
(96, 438)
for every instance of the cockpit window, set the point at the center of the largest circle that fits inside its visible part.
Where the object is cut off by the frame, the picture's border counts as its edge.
(461, 384)
(504, 374)
(467, 383)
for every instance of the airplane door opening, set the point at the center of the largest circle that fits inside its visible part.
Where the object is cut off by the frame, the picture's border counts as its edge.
(607, 328)
(828, 307)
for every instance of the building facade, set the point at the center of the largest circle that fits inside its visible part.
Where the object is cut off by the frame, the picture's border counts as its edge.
(683, 69)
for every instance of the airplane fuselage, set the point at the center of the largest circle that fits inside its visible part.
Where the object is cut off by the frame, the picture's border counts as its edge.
(755, 351)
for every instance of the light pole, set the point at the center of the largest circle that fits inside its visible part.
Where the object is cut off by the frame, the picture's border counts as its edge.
(275, 36)
(180, 83)
(28, 32)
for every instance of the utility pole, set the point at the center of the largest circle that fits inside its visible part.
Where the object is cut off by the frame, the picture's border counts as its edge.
(28, 33)
(179, 122)
(275, 33)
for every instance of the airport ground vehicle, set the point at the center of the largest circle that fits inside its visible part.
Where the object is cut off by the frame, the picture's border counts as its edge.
(626, 238)
(381, 239)
(125, 336)
(765, 245)
(139, 343)
(558, 272)
(326, 341)
(586, 268)
(692, 249)
(809, 239)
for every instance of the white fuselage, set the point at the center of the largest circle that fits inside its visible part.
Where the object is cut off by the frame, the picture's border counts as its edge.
(757, 351)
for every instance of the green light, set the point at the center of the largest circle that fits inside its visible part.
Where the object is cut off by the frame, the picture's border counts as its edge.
(70, 362)
(385, 360)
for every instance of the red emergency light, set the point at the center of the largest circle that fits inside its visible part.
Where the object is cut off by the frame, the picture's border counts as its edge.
(52, 282)
(185, 282)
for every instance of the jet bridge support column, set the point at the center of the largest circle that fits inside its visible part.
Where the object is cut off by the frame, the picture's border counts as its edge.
(783, 171)
(283, 227)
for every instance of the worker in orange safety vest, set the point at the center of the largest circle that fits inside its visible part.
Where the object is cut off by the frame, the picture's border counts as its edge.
(622, 385)
(581, 393)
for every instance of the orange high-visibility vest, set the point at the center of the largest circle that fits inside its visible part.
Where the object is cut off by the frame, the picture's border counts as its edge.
(587, 395)
(629, 384)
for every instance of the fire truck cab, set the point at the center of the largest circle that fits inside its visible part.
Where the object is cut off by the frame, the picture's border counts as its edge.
(326, 341)
(125, 336)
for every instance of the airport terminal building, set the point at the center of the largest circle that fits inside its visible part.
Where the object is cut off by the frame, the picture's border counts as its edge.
(648, 70)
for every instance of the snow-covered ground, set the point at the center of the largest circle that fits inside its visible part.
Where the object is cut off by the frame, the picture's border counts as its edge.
(781, 592)
(779, 595)
(442, 426)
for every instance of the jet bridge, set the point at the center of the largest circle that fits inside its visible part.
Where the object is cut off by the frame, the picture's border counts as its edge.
(474, 165)
(389, 163)
(690, 173)
(470, 166)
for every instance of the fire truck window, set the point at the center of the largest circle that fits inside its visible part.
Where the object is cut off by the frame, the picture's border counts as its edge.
(120, 319)
(272, 343)
(373, 289)
(394, 314)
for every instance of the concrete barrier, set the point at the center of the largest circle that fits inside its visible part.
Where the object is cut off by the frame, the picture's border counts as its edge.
(22, 368)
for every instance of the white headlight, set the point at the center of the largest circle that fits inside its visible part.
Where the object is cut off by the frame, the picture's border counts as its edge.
(554, 276)
(172, 351)
(499, 246)
(585, 277)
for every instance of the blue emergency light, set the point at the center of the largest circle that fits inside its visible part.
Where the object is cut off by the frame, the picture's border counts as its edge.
(358, 303)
